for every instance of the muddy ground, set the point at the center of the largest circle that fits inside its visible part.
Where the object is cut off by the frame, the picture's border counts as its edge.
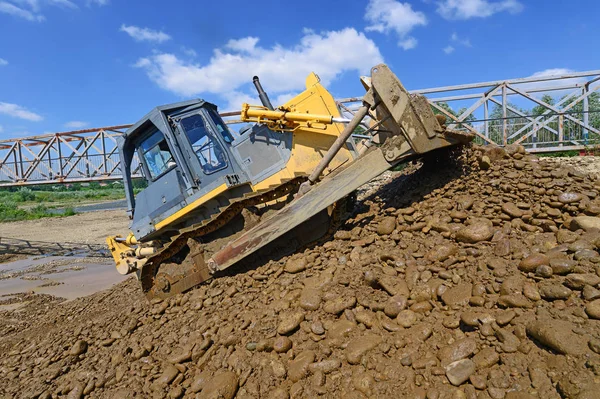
(473, 279)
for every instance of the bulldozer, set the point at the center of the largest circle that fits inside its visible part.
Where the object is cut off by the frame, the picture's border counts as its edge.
(217, 198)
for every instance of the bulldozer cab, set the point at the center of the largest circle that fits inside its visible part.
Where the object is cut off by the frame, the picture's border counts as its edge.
(184, 152)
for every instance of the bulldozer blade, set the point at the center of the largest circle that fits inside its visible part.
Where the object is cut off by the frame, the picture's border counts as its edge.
(325, 193)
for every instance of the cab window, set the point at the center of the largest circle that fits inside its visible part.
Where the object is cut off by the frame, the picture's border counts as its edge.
(207, 148)
(221, 127)
(156, 154)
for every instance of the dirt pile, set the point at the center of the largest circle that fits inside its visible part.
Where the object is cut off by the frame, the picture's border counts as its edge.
(458, 280)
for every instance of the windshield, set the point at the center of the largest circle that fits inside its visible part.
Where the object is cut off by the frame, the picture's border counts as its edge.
(157, 155)
(206, 147)
(221, 127)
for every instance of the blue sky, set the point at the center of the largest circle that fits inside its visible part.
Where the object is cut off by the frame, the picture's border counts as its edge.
(72, 64)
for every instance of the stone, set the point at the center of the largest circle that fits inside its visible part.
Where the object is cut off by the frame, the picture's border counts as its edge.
(338, 305)
(592, 309)
(586, 223)
(298, 368)
(290, 322)
(386, 226)
(551, 292)
(485, 358)
(562, 266)
(223, 385)
(531, 263)
(577, 281)
(478, 230)
(406, 318)
(310, 299)
(79, 348)
(568, 198)
(295, 265)
(458, 295)
(460, 349)
(459, 371)
(519, 395)
(282, 344)
(485, 162)
(512, 210)
(594, 345)
(556, 335)
(590, 293)
(168, 375)
(441, 252)
(357, 348)
(395, 305)
(514, 301)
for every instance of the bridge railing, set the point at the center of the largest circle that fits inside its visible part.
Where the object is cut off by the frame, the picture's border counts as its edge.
(544, 113)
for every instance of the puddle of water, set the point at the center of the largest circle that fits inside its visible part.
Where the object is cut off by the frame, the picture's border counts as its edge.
(91, 278)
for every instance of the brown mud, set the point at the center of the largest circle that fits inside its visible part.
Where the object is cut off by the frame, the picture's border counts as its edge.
(471, 279)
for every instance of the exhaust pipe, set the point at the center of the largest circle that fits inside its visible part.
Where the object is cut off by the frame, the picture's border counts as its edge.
(264, 98)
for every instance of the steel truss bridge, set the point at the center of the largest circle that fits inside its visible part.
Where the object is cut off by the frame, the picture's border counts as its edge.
(543, 113)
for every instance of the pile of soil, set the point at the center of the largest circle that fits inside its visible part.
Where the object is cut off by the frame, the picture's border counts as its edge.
(470, 279)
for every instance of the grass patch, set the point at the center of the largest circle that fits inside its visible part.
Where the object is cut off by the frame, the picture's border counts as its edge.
(10, 212)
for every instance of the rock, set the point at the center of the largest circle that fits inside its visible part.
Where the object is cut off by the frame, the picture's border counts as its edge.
(295, 265)
(199, 381)
(485, 358)
(458, 350)
(406, 318)
(485, 162)
(586, 223)
(593, 309)
(568, 198)
(478, 230)
(310, 299)
(458, 295)
(594, 345)
(78, 348)
(168, 375)
(180, 356)
(557, 335)
(552, 292)
(577, 281)
(290, 322)
(562, 266)
(325, 366)
(590, 293)
(338, 305)
(441, 252)
(361, 345)
(395, 305)
(298, 368)
(514, 301)
(512, 210)
(282, 344)
(223, 385)
(386, 226)
(531, 263)
(460, 371)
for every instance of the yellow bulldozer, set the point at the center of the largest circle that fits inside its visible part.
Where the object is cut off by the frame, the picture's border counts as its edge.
(217, 198)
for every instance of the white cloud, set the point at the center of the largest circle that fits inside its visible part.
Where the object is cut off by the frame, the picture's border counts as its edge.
(284, 69)
(465, 9)
(543, 84)
(19, 112)
(448, 49)
(76, 124)
(386, 16)
(20, 12)
(247, 44)
(189, 52)
(459, 40)
(3, 62)
(64, 3)
(145, 34)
